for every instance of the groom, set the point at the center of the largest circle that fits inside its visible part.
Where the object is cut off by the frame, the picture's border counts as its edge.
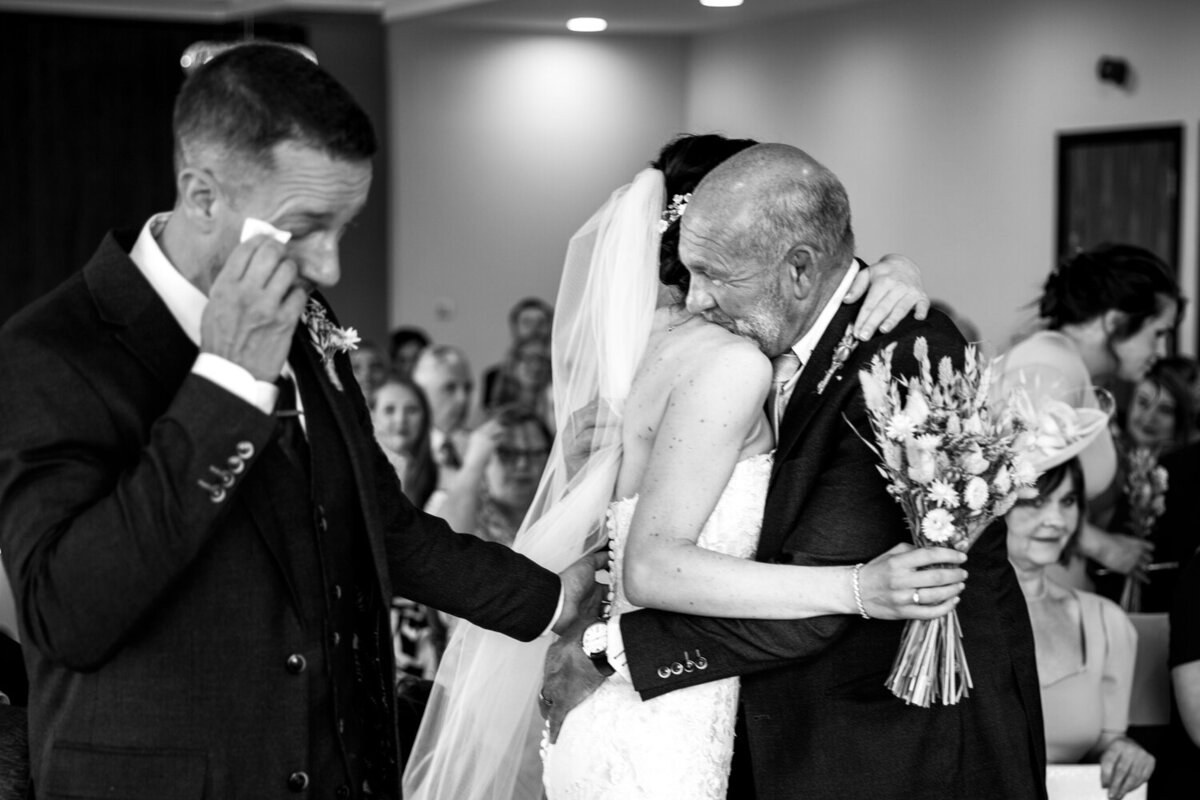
(203, 556)
(768, 244)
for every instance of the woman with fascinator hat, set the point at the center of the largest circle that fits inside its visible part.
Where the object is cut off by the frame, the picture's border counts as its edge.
(1084, 643)
(667, 410)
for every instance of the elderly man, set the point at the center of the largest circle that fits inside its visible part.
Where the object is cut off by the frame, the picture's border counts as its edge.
(202, 534)
(769, 247)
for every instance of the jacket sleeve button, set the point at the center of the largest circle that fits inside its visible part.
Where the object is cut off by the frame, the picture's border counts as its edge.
(296, 664)
(298, 781)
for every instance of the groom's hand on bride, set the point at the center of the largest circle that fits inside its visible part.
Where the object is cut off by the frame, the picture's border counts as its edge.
(581, 593)
(569, 676)
(893, 288)
(910, 582)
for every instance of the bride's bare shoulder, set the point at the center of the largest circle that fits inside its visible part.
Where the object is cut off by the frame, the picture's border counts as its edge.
(718, 355)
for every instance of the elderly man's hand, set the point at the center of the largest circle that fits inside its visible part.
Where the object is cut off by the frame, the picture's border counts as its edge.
(895, 289)
(569, 677)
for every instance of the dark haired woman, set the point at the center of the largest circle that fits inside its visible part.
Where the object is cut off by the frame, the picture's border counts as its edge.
(1106, 313)
(400, 414)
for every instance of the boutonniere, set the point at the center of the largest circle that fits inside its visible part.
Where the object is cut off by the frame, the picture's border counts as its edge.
(326, 338)
(841, 354)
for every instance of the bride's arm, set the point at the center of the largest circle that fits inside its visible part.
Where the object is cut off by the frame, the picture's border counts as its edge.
(699, 441)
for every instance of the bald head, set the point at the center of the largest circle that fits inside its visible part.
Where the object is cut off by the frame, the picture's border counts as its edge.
(766, 240)
(771, 197)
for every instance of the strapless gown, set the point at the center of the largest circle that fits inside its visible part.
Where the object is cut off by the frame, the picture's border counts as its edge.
(614, 745)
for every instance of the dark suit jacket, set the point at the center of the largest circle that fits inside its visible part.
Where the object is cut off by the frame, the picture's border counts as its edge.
(817, 716)
(159, 617)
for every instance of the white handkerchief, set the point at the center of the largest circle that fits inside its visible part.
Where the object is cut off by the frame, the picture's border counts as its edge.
(253, 227)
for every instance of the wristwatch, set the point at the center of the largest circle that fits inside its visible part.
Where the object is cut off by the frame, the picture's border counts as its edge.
(595, 646)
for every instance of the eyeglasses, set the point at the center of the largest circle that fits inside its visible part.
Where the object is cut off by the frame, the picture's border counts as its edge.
(510, 455)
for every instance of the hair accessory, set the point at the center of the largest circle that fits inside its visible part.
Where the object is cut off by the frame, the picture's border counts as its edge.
(675, 209)
(862, 610)
(1057, 431)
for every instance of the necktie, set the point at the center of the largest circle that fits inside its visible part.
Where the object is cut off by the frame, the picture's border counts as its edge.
(785, 367)
(291, 434)
(449, 454)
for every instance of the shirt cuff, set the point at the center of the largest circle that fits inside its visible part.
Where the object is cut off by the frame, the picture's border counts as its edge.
(615, 652)
(562, 598)
(237, 381)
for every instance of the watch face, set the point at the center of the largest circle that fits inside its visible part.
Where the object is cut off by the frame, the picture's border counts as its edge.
(595, 639)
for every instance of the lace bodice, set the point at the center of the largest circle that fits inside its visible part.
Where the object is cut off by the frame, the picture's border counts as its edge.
(614, 745)
(732, 528)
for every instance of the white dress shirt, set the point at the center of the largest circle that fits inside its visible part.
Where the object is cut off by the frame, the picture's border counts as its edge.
(186, 304)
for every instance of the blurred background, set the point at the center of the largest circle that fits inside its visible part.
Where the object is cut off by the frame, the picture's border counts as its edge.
(982, 139)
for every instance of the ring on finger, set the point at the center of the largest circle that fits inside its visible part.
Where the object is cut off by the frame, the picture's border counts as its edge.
(916, 597)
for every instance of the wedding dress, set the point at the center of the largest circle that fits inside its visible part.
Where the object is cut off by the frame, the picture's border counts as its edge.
(614, 745)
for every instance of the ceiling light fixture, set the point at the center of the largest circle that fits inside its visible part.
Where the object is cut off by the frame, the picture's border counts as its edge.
(586, 24)
(720, 3)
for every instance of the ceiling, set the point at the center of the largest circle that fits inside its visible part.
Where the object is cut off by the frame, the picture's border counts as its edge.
(624, 16)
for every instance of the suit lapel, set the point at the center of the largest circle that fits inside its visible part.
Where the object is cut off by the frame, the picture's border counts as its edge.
(125, 300)
(315, 379)
(807, 396)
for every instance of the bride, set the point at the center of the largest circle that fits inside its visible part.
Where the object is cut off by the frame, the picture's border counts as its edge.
(669, 412)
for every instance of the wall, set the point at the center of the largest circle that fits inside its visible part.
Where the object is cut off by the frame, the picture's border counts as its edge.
(502, 145)
(941, 118)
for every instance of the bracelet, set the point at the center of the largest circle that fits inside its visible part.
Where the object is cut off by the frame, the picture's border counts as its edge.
(858, 593)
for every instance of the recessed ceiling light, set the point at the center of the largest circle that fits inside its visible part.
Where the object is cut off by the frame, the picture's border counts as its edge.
(720, 3)
(586, 24)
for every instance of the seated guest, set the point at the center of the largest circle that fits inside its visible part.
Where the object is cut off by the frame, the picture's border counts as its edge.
(369, 366)
(400, 413)
(404, 348)
(1187, 369)
(529, 319)
(499, 477)
(444, 375)
(1183, 752)
(1161, 415)
(526, 381)
(1160, 421)
(1085, 645)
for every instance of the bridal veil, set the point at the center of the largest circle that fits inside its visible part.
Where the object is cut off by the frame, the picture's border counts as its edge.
(480, 733)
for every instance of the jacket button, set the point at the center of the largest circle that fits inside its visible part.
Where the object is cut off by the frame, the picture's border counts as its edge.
(664, 672)
(298, 781)
(342, 792)
(245, 450)
(295, 665)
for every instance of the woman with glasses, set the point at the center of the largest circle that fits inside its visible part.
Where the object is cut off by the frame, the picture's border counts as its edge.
(500, 472)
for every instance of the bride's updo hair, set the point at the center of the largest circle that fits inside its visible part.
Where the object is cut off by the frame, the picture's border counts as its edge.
(1109, 277)
(683, 162)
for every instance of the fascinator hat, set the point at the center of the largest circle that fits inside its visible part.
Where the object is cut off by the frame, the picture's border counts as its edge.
(1056, 430)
